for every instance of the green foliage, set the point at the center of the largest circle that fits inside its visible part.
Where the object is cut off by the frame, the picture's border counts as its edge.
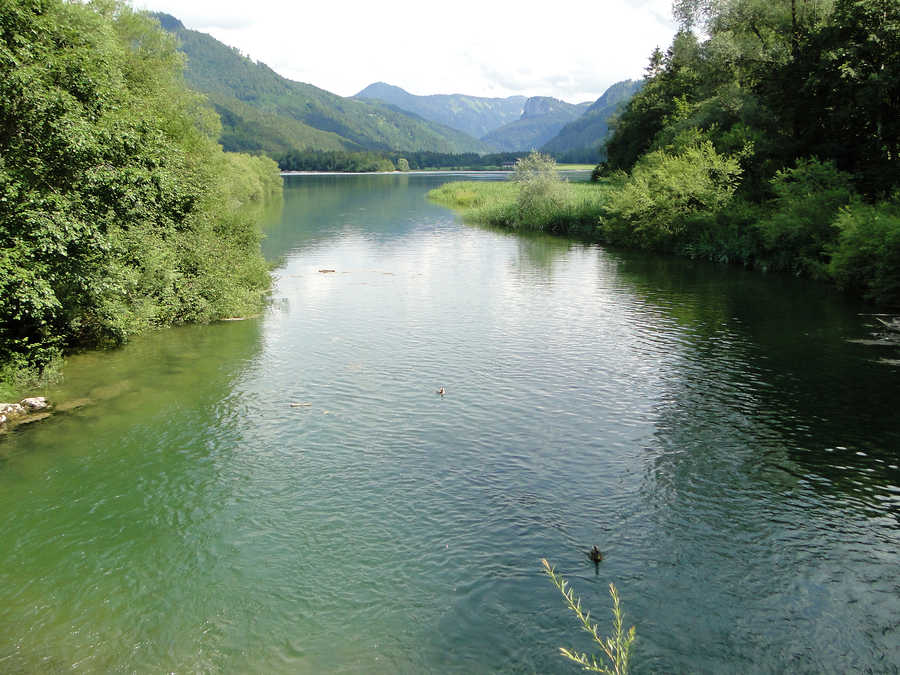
(866, 259)
(616, 650)
(402, 164)
(116, 204)
(801, 229)
(652, 206)
(773, 84)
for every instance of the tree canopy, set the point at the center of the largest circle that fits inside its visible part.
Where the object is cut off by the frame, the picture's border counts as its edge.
(118, 209)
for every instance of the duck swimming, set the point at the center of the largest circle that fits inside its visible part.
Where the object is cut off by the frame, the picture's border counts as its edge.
(595, 554)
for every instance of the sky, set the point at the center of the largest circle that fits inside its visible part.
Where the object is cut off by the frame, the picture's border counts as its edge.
(569, 49)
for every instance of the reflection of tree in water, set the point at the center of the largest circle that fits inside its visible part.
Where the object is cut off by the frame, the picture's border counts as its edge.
(321, 207)
(772, 471)
(768, 359)
(537, 252)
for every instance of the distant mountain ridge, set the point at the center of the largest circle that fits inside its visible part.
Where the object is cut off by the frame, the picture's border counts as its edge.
(474, 115)
(262, 111)
(542, 118)
(580, 139)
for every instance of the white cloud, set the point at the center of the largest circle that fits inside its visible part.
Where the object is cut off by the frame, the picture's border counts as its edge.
(571, 50)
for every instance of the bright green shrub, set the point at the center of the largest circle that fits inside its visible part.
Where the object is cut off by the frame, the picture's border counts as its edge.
(651, 208)
(866, 259)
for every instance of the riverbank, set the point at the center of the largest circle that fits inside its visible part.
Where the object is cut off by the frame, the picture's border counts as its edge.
(814, 227)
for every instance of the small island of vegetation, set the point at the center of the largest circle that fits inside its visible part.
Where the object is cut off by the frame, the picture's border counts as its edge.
(774, 144)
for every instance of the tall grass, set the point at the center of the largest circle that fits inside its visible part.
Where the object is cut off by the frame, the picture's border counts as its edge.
(575, 209)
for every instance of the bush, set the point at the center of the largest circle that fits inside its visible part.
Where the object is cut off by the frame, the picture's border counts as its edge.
(118, 209)
(650, 209)
(543, 195)
(801, 229)
(616, 650)
(866, 259)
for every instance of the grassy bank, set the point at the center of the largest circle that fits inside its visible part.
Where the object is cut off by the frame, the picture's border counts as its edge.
(575, 209)
(687, 204)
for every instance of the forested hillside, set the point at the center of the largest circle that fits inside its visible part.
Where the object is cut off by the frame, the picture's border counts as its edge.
(118, 209)
(542, 118)
(474, 115)
(265, 112)
(583, 139)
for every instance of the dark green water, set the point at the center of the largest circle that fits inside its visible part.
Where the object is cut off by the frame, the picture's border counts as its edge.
(715, 432)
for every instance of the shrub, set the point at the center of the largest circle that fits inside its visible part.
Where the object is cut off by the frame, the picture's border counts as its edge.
(801, 229)
(543, 195)
(650, 208)
(616, 649)
(866, 259)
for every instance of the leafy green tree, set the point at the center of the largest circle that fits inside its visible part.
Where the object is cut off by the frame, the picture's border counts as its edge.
(117, 206)
(848, 104)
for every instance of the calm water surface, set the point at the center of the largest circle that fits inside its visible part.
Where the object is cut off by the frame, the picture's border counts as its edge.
(715, 432)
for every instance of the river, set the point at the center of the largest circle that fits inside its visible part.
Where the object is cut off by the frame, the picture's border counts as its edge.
(719, 434)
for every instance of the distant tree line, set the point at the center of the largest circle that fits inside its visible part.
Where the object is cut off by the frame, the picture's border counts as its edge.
(330, 160)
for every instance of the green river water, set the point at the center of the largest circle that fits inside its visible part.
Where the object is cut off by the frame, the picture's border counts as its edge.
(721, 435)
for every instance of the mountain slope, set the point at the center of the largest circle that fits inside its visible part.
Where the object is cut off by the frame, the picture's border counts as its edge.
(542, 118)
(584, 135)
(238, 86)
(473, 115)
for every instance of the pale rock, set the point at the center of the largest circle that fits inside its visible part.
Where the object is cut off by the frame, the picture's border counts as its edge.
(35, 403)
(11, 409)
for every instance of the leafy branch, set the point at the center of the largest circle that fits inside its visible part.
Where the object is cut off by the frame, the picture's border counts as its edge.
(617, 648)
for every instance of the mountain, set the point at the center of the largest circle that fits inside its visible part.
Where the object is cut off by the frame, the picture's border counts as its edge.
(265, 112)
(474, 115)
(580, 139)
(542, 118)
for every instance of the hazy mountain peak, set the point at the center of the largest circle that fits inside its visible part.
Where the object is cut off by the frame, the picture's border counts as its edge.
(475, 115)
(543, 105)
(167, 21)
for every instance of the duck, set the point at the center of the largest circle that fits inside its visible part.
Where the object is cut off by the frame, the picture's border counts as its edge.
(595, 554)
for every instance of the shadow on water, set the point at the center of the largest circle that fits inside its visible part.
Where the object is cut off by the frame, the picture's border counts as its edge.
(775, 451)
(778, 351)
